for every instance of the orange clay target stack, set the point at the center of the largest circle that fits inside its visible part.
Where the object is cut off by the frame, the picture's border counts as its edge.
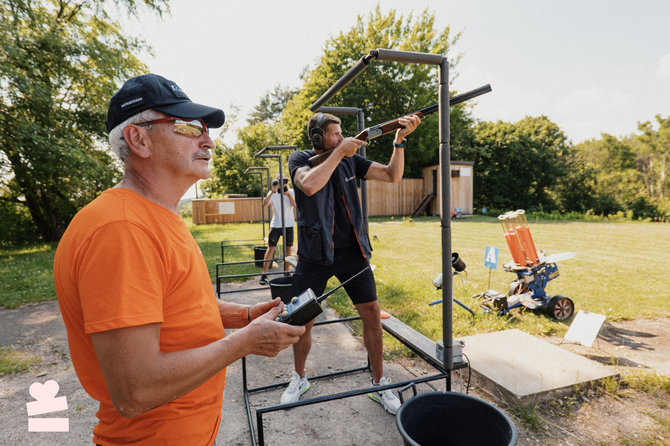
(518, 238)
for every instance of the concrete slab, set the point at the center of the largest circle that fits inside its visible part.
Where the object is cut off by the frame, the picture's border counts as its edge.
(518, 368)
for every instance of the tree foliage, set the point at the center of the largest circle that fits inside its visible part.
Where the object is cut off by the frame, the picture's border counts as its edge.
(271, 105)
(230, 162)
(516, 164)
(629, 173)
(385, 90)
(60, 62)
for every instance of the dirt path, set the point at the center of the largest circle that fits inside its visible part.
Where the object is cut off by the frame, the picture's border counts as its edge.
(588, 419)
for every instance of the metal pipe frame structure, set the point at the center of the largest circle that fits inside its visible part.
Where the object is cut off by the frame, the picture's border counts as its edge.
(263, 154)
(445, 167)
(361, 126)
(260, 440)
(259, 171)
(447, 366)
(229, 243)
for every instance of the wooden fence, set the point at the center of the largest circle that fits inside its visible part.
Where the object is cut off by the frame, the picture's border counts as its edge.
(227, 210)
(394, 198)
(383, 199)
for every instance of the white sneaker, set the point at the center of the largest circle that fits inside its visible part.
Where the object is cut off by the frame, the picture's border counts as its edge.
(296, 387)
(386, 398)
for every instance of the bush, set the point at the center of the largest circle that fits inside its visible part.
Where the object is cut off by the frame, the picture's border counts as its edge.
(605, 205)
(643, 208)
(16, 225)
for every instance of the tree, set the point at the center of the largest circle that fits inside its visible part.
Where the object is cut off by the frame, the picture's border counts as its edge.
(385, 90)
(630, 173)
(60, 62)
(517, 163)
(653, 156)
(271, 105)
(230, 162)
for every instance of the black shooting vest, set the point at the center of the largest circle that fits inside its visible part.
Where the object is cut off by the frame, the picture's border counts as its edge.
(316, 214)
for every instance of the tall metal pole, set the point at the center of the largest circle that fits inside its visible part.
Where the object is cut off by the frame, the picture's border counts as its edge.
(262, 206)
(445, 170)
(267, 172)
(281, 201)
(364, 183)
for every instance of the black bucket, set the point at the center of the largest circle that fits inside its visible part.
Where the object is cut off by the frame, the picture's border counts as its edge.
(281, 287)
(453, 419)
(259, 255)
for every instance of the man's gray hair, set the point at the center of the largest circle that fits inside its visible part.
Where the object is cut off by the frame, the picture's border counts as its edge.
(116, 140)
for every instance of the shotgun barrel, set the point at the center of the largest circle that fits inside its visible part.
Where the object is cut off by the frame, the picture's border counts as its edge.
(394, 124)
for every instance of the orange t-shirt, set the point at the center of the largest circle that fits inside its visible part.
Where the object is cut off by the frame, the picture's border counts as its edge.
(126, 261)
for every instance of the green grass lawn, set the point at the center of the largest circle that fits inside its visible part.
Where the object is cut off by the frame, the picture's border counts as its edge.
(26, 275)
(621, 270)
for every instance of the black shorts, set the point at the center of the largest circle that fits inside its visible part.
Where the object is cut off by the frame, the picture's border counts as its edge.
(275, 233)
(348, 262)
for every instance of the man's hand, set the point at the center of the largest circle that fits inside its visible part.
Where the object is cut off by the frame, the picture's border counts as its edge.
(410, 124)
(259, 309)
(349, 146)
(264, 335)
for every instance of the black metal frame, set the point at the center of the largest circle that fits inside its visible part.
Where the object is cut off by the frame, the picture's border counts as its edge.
(259, 170)
(445, 164)
(262, 154)
(336, 396)
(228, 243)
(447, 287)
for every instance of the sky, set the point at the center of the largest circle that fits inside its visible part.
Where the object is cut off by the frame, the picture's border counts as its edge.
(590, 66)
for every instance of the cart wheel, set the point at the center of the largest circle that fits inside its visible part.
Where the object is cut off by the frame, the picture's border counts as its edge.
(517, 287)
(560, 307)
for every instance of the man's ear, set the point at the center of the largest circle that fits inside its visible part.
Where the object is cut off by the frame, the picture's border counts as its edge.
(138, 140)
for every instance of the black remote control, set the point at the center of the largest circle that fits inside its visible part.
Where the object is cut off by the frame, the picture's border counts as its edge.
(306, 306)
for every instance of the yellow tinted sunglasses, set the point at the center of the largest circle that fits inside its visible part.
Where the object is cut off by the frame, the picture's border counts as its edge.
(188, 127)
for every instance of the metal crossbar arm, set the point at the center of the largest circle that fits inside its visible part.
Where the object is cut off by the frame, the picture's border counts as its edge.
(340, 110)
(262, 154)
(254, 168)
(363, 62)
(408, 56)
(269, 273)
(349, 76)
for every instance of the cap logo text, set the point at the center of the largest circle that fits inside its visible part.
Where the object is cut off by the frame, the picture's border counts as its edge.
(131, 102)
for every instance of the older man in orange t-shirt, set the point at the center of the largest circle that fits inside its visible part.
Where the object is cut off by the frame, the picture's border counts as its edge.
(145, 330)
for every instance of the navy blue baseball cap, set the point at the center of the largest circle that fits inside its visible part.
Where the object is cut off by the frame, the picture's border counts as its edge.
(151, 91)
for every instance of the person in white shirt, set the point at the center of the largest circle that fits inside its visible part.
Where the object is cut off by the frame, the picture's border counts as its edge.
(277, 198)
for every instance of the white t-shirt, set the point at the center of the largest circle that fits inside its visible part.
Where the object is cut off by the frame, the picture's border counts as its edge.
(289, 219)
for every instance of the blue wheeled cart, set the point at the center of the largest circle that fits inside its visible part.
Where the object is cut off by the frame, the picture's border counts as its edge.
(528, 289)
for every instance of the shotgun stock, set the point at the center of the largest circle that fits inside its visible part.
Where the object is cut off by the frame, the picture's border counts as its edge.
(394, 124)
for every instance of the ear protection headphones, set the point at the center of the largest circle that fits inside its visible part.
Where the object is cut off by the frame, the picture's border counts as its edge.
(316, 132)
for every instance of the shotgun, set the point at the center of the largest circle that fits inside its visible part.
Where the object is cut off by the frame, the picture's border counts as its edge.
(394, 124)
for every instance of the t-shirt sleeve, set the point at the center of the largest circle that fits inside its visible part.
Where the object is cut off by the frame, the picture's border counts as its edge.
(297, 160)
(121, 278)
(362, 166)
